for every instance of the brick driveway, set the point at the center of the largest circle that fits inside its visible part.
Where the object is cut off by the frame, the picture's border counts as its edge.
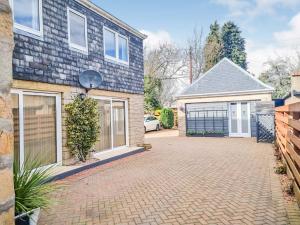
(180, 181)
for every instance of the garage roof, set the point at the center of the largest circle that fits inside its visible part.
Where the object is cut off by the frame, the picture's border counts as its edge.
(225, 78)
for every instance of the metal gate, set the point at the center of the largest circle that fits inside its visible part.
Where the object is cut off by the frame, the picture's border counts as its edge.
(265, 128)
(207, 123)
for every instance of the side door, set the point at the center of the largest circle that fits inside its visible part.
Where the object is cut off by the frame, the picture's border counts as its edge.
(239, 120)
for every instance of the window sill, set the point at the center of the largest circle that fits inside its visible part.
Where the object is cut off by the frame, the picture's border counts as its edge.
(80, 50)
(116, 61)
(28, 34)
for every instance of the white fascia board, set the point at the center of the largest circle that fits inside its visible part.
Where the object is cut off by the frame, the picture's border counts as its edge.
(220, 94)
(112, 18)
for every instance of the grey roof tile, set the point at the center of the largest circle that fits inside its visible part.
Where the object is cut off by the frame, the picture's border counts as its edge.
(225, 77)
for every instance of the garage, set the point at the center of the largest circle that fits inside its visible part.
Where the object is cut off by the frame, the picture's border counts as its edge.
(224, 101)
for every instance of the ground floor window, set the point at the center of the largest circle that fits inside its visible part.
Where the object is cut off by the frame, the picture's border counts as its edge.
(113, 124)
(207, 119)
(36, 127)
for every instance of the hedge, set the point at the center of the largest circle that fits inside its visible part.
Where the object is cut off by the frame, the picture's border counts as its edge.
(167, 118)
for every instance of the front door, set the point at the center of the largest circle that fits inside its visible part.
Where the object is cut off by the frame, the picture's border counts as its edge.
(239, 121)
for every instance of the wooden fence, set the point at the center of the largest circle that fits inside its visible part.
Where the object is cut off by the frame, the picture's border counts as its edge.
(287, 120)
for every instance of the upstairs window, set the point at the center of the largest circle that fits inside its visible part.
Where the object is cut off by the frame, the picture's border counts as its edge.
(110, 43)
(28, 15)
(123, 51)
(115, 46)
(77, 30)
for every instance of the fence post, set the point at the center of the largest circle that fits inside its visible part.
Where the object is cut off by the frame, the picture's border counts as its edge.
(257, 128)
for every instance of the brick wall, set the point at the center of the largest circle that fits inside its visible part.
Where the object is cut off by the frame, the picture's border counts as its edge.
(50, 60)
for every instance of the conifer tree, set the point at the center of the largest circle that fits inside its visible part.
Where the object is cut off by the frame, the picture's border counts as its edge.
(233, 44)
(213, 47)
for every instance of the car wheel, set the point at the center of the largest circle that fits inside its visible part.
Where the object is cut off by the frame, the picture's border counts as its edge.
(157, 127)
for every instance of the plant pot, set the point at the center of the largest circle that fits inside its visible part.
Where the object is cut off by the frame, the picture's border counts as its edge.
(30, 218)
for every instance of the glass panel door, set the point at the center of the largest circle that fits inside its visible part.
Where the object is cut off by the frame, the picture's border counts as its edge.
(40, 128)
(104, 141)
(239, 119)
(244, 117)
(119, 130)
(233, 118)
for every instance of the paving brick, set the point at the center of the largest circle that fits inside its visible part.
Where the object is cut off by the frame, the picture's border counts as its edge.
(180, 181)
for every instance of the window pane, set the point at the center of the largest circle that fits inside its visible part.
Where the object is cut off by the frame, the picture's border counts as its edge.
(110, 43)
(26, 13)
(119, 124)
(234, 125)
(245, 120)
(40, 128)
(123, 51)
(104, 140)
(16, 119)
(77, 29)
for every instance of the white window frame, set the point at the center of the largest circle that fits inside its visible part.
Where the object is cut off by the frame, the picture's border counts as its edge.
(112, 99)
(57, 96)
(28, 29)
(74, 46)
(117, 35)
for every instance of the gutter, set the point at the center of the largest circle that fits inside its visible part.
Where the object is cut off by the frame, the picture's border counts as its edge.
(221, 94)
(110, 17)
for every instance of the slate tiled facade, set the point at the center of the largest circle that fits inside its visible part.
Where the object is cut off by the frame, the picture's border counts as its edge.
(49, 59)
(46, 72)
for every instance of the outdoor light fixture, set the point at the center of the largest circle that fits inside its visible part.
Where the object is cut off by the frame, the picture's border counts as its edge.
(181, 108)
(89, 79)
(82, 96)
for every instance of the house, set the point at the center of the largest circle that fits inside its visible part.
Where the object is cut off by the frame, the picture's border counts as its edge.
(55, 41)
(222, 102)
(294, 95)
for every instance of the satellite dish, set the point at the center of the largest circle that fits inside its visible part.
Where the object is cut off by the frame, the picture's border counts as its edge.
(90, 79)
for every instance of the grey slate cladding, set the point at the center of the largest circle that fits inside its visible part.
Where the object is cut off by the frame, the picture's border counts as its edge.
(224, 77)
(49, 59)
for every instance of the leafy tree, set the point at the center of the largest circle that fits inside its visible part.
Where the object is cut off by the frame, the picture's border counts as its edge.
(213, 46)
(195, 49)
(278, 74)
(167, 118)
(152, 87)
(162, 67)
(233, 44)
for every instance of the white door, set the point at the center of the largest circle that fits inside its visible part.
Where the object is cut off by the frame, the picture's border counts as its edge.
(239, 119)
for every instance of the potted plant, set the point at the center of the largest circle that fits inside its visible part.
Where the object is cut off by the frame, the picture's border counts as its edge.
(32, 191)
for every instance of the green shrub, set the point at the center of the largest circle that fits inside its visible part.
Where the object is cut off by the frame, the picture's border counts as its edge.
(31, 187)
(167, 118)
(280, 169)
(82, 124)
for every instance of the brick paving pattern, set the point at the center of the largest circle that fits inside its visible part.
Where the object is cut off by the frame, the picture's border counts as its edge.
(180, 181)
